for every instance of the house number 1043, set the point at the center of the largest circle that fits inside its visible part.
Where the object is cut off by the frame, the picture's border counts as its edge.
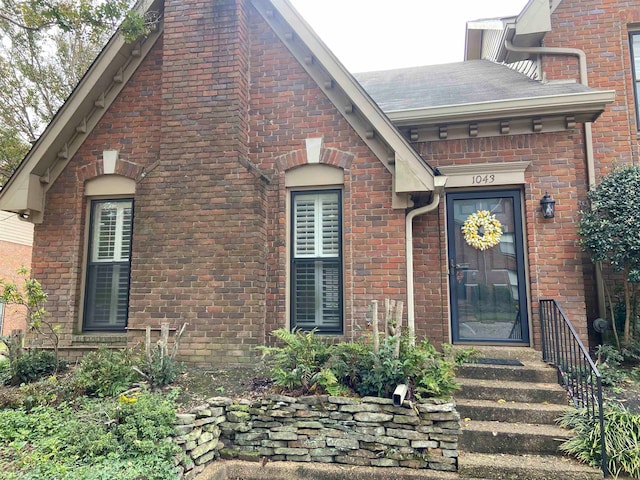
(483, 179)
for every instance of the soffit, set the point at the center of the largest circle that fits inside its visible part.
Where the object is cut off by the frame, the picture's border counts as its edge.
(25, 191)
(351, 100)
(527, 29)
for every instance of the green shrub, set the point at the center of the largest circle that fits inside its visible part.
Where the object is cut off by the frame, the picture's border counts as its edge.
(159, 369)
(348, 360)
(308, 363)
(381, 372)
(427, 371)
(609, 360)
(34, 365)
(105, 373)
(144, 421)
(298, 363)
(91, 439)
(622, 438)
(5, 372)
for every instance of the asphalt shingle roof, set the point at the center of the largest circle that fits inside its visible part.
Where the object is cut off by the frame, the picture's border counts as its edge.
(474, 81)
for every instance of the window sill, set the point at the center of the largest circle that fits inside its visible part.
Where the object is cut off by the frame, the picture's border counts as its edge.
(100, 338)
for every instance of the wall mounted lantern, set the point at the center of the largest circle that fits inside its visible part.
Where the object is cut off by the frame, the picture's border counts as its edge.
(548, 206)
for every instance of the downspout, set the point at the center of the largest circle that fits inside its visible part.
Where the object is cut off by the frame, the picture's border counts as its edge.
(439, 183)
(588, 134)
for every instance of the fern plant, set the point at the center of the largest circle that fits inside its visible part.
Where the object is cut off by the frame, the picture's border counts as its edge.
(298, 363)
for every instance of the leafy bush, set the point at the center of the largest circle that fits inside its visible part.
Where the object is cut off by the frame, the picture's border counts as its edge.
(144, 422)
(158, 364)
(5, 372)
(105, 373)
(298, 364)
(116, 438)
(28, 292)
(381, 371)
(609, 360)
(609, 233)
(622, 434)
(34, 365)
(348, 361)
(307, 363)
(158, 368)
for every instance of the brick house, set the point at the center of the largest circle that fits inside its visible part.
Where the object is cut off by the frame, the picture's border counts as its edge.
(227, 171)
(597, 43)
(16, 239)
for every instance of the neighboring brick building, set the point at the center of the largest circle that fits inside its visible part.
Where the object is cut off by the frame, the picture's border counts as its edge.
(226, 171)
(597, 43)
(16, 239)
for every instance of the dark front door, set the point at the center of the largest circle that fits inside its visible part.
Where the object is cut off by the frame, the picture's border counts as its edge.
(486, 267)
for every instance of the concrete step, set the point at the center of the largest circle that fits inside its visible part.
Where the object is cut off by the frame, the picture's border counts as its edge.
(511, 438)
(511, 391)
(514, 412)
(524, 467)
(523, 354)
(531, 373)
(235, 469)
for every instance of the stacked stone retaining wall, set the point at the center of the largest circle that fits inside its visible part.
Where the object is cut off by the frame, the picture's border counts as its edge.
(369, 431)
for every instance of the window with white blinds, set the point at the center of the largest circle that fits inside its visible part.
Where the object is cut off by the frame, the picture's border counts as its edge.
(107, 286)
(317, 261)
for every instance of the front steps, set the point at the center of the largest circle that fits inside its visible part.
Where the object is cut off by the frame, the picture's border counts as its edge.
(508, 417)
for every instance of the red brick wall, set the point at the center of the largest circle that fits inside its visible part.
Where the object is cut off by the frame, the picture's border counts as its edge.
(131, 125)
(214, 127)
(601, 30)
(286, 108)
(200, 224)
(553, 256)
(12, 257)
(208, 127)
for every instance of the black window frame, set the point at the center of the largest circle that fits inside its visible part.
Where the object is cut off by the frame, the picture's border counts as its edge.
(338, 261)
(89, 324)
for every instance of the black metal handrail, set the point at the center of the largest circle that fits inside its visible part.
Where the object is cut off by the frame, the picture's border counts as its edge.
(577, 372)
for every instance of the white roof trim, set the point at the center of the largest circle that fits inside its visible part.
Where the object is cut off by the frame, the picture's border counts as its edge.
(25, 191)
(360, 99)
(591, 103)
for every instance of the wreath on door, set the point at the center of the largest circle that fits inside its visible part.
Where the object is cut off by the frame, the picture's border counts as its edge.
(482, 230)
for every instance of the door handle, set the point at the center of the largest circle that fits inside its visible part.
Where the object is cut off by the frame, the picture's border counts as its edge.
(452, 266)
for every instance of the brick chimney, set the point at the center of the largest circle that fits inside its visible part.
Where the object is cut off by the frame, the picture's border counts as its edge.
(200, 226)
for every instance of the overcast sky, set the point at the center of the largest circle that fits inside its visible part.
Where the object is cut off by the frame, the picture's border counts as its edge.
(371, 35)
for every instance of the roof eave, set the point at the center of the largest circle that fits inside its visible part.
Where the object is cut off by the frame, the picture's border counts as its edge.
(526, 30)
(586, 107)
(382, 127)
(24, 192)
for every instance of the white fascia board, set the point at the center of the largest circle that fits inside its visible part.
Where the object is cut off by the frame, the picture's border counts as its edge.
(488, 24)
(14, 196)
(585, 102)
(361, 100)
(534, 18)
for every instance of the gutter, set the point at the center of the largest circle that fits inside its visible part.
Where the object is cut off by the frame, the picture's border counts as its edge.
(581, 102)
(588, 133)
(439, 183)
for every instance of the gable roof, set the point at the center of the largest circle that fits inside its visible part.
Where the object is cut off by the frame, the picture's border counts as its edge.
(25, 191)
(486, 38)
(410, 171)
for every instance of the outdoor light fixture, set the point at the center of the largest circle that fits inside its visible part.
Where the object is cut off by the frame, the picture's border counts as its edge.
(548, 206)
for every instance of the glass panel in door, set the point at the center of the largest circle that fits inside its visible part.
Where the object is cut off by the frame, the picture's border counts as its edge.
(486, 267)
